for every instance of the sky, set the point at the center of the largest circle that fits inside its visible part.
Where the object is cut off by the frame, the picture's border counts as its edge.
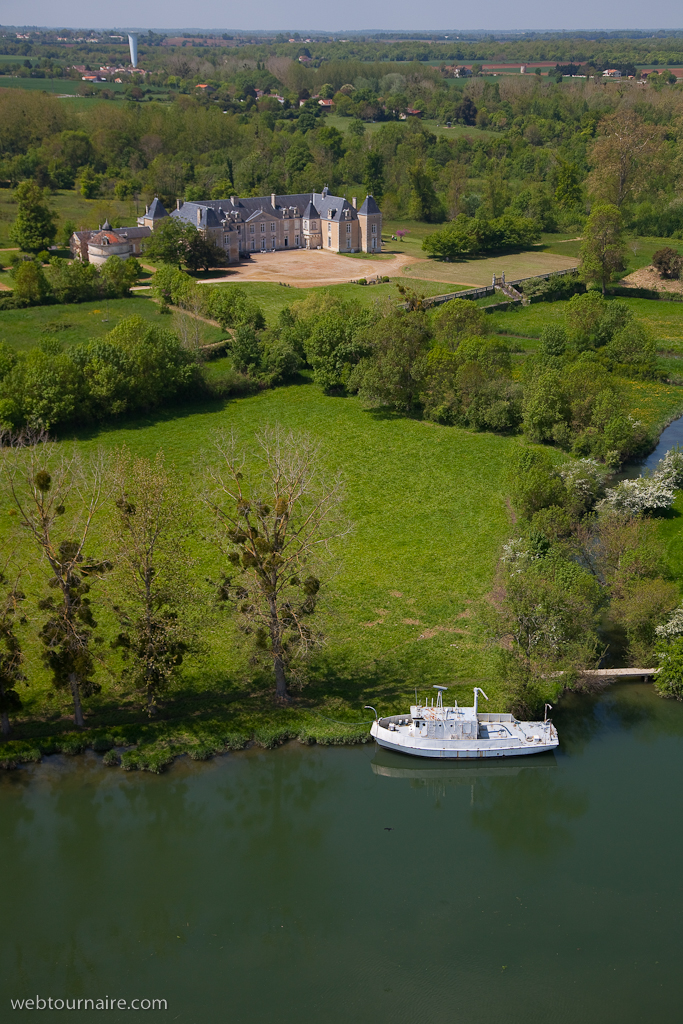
(357, 15)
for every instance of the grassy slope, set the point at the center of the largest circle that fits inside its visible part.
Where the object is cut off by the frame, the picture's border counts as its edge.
(85, 213)
(23, 328)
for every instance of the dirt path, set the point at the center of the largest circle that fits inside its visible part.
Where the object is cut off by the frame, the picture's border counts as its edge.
(647, 277)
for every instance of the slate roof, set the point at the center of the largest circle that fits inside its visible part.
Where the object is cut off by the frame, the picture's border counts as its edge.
(369, 206)
(307, 205)
(156, 209)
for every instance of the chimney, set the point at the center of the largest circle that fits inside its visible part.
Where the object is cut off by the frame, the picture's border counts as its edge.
(232, 200)
(178, 204)
(199, 215)
(353, 202)
(272, 199)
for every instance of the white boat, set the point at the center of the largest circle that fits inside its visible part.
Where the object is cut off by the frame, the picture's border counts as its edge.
(464, 733)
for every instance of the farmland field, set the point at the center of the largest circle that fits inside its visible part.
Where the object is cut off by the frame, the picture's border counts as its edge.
(79, 322)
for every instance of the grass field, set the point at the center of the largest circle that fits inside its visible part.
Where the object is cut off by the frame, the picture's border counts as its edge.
(23, 328)
(458, 130)
(60, 86)
(274, 297)
(429, 514)
(85, 213)
(664, 318)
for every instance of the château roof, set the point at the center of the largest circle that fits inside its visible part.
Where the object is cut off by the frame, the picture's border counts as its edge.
(369, 206)
(156, 209)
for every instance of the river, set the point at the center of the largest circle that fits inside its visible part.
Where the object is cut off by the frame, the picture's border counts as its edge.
(345, 885)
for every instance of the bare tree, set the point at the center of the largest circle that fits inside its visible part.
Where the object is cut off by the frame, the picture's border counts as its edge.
(55, 497)
(624, 156)
(153, 574)
(276, 515)
(11, 655)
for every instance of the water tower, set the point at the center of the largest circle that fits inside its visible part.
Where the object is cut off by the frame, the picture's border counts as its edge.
(133, 44)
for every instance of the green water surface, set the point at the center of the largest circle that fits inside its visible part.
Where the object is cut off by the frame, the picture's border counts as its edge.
(343, 885)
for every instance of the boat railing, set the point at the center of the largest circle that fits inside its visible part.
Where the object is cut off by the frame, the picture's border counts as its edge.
(495, 716)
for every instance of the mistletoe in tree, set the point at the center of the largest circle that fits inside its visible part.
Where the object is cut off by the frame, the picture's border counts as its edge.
(277, 516)
(55, 497)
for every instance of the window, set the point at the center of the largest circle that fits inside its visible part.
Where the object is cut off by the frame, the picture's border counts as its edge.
(286, 241)
(272, 227)
(253, 243)
(374, 242)
(329, 241)
(251, 229)
(272, 241)
(348, 229)
(263, 229)
(296, 240)
(296, 224)
(314, 225)
(374, 229)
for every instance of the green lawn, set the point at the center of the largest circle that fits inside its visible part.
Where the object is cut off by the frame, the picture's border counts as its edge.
(664, 318)
(274, 297)
(23, 328)
(85, 213)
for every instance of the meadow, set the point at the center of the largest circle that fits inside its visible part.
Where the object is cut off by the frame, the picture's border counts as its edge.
(81, 322)
(428, 509)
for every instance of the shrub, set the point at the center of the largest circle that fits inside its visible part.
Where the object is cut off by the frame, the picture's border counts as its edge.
(668, 263)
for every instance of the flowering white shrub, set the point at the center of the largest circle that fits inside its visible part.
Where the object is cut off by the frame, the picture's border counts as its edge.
(644, 494)
(585, 478)
(671, 467)
(674, 627)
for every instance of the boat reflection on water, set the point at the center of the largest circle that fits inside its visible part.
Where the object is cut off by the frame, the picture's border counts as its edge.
(401, 766)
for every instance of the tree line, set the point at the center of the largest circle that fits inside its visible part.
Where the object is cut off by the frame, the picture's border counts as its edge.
(585, 561)
(110, 535)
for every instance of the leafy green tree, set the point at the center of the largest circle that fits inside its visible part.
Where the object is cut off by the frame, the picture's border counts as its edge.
(373, 176)
(11, 655)
(387, 376)
(602, 250)
(90, 185)
(73, 281)
(167, 244)
(30, 282)
(117, 276)
(68, 228)
(277, 517)
(457, 319)
(534, 482)
(334, 343)
(568, 193)
(153, 577)
(424, 203)
(35, 228)
(201, 253)
(55, 498)
(669, 681)
(357, 128)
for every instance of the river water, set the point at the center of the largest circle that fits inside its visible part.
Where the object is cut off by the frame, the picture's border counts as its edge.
(346, 885)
